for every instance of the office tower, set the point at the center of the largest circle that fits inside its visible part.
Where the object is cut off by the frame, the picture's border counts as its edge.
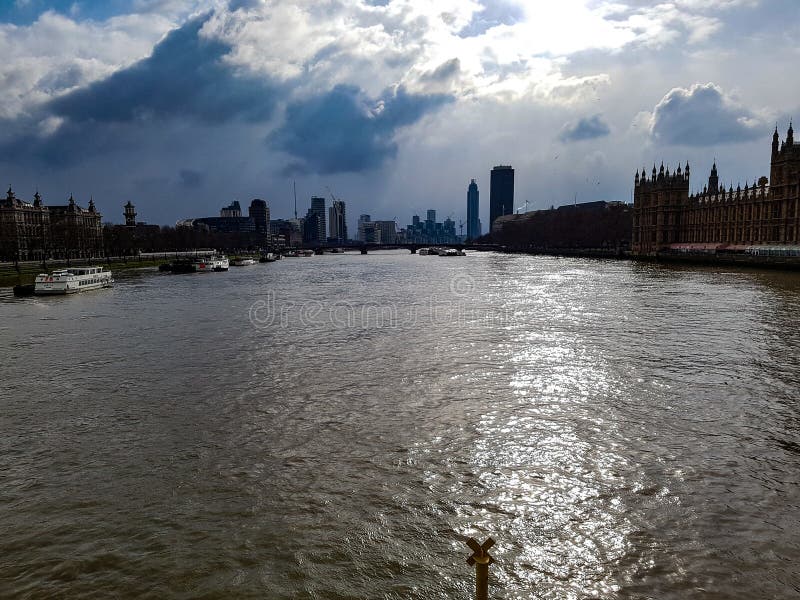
(312, 225)
(430, 223)
(501, 193)
(259, 212)
(337, 222)
(318, 208)
(368, 232)
(473, 227)
(386, 232)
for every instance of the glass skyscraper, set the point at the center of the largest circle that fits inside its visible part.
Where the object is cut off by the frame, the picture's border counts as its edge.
(501, 193)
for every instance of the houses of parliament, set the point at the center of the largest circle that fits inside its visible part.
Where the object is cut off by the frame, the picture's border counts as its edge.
(667, 218)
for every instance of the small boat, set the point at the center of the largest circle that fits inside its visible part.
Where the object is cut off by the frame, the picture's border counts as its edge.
(291, 254)
(305, 253)
(221, 262)
(425, 251)
(269, 257)
(451, 252)
(243, 261)
(72, 280)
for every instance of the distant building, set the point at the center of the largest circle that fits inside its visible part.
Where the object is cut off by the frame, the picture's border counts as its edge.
(337, 222)
(233, 210)
(588, 225)
(259, 212)
(312, 227)
(767, 212)
(24, 228)
(362, 219)
(286, 232)
(230, 220)
(129, 213)
(75, 232)
(501, 193)
(429, 231)
(473, 224)
(368, 232)
(386, 232)
(315, 227)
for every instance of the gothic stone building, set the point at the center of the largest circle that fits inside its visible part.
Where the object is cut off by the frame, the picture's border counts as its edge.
(667, 217)
(32, 231)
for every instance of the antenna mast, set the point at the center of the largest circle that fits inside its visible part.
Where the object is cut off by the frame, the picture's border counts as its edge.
(294, 186)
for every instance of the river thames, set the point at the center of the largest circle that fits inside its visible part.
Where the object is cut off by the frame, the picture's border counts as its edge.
(335, 427)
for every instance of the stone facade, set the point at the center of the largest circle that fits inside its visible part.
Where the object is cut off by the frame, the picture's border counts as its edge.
(767, 212)
(32, 231)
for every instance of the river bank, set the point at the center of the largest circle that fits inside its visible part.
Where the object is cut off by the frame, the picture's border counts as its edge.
(25, 273)
(782, 263)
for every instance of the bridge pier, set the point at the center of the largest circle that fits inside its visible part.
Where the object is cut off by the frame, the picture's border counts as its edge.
(413, 249)
(363, 250)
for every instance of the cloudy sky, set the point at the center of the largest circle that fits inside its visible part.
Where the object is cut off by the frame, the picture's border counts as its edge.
(182, 106)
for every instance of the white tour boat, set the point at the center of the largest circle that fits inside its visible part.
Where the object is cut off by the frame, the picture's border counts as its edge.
(211, 262)
(72, 280)
(221, 262)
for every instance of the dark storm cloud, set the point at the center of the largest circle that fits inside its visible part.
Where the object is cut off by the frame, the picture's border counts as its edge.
(184, 77)
(587, 128)
(702, 116)
(494, 13)
(342, 131)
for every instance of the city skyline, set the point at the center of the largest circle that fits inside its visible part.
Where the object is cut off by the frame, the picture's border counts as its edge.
(571, 95)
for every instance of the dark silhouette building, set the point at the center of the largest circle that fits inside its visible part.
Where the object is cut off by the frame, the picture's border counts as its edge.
(312, 228)
(589, 225)
(501, 193)
(130, 214)
(259, 212)
(473, 222)
(75, 232)
(24, 228)
(315, 229)
(666, 217)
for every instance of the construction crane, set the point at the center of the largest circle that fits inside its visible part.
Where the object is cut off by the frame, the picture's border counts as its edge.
(334, 198)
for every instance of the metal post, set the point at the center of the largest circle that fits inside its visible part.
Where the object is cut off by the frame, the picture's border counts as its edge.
(481, 559)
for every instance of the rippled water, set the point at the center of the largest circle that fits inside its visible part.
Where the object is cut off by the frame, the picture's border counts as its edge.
(335, 427)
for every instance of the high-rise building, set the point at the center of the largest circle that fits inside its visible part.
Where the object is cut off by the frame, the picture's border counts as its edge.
(473, 224)
(259, 212)
(501, 192)
(386, 232)
(312, 225)
(317, 208)
(368, 231)
(337, 222)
